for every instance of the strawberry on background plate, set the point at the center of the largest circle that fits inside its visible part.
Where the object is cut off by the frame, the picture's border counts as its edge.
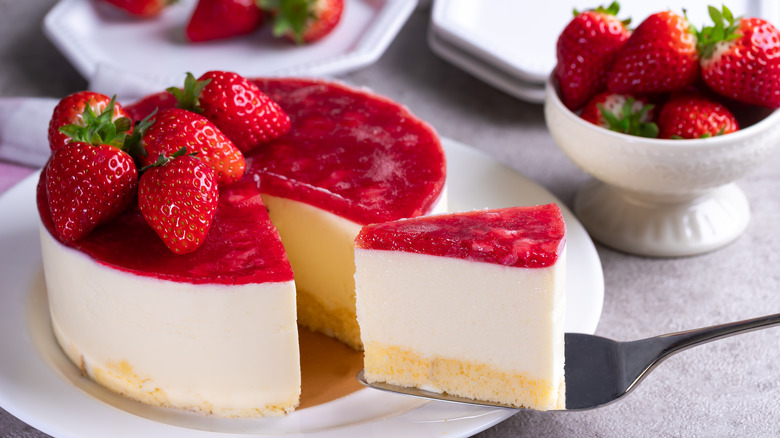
(141, 8)
(87, 185)
(691, 115)
(174, 128)
(659, 57)
(585, 50)
(84, 114)
(235, 105)
(740, 58)
(219, 19)
(621, 113)
(178, 197)
(304, 21)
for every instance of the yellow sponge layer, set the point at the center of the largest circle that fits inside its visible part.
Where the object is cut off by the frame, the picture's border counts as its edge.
(398, 366)
(340, 324)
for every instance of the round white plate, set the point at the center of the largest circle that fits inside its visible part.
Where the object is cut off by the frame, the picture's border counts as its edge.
(39, 385)
(96, 37)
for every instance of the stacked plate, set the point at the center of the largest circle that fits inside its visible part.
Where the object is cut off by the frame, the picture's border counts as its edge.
(510, 44)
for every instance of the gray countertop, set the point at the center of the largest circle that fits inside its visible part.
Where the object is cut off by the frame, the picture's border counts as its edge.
(727, 388)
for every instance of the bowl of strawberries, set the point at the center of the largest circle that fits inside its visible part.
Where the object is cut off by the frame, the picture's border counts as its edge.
(665, 118)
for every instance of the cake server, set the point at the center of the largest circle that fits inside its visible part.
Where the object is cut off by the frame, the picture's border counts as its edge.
(600, 371)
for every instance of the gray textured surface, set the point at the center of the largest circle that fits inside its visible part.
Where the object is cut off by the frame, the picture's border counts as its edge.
(727, 388)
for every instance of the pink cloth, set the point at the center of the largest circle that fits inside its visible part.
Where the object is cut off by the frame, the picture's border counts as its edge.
(11, 174)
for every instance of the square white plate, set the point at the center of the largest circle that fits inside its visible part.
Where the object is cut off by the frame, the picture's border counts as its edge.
(94, 35)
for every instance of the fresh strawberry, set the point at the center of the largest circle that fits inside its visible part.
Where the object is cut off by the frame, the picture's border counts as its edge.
(178, 197)
(142, 8)
(219, 19)
(586, 50)
(90, 117)
(691, 115)
(304, 21)
(659, 57)
(236, 106)
(621, 113)
(740, 58)
(175, 128)
(88, 185)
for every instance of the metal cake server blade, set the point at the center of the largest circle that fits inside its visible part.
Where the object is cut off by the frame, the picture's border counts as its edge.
(600, 371)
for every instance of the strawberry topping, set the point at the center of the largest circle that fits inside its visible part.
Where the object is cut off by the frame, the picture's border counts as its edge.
(527, 237)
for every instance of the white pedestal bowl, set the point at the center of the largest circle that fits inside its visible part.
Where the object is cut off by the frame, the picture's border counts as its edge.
(658, 197)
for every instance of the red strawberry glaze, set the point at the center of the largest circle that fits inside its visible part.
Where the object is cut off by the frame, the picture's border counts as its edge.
(350, 152)
(526, 237)
(241, 247)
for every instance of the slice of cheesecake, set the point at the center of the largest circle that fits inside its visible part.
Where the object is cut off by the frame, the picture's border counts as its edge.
(471, 304)
(211, 331)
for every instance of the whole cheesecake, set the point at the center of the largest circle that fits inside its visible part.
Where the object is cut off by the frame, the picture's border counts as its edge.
(215, 330)
(471, 304)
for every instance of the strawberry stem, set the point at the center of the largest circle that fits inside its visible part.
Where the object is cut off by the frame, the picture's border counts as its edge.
(162, 160)
(188, 98)
(133, 144)
(612, 9)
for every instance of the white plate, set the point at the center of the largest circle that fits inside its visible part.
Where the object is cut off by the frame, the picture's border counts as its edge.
(39, 385)
(517, 38)
(93, 35)
(527, 91)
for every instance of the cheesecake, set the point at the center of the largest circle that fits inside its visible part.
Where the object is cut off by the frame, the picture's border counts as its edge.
(213, 331)
(216, 330)
(470, 304)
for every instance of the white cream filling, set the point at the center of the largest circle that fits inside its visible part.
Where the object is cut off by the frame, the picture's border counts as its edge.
(509, 318)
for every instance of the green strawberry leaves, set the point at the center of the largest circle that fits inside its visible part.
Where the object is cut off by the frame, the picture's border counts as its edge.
(290, 16)
(724, 29)
(612, 9)
(630, 121)
(100, 128)
(188, 98)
